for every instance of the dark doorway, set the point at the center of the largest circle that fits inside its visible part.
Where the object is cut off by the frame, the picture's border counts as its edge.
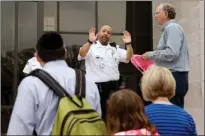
(139, 24)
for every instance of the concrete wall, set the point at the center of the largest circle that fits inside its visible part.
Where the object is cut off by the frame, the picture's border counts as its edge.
(190, 15)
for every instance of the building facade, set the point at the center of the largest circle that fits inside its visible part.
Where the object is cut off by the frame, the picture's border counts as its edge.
(23, 22)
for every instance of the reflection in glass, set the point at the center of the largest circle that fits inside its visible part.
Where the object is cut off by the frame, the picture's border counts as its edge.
(27, 31)
(78, 16)
(7, 54)
(118, 40)
(27, 25)
(50, 15)
(7, 60)
(74, 39)
(112, 13)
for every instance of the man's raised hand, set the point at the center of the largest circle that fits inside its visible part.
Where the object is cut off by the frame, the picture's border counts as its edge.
(92, 36)
(126, 37)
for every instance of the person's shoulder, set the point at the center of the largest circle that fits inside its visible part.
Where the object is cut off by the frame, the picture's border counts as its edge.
(70, 73)
(173, 26)
(182, 112)
(70, 69)
(153, 106)
(161, 106)
(29, 80)
(187, 114)
(33, 60)
(29, 84)
(167, 108)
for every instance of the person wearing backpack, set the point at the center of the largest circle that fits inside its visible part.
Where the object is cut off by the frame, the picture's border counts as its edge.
(50, 101)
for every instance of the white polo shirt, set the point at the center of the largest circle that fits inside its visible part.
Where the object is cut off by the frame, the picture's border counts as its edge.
(31, 65)
(101, 62)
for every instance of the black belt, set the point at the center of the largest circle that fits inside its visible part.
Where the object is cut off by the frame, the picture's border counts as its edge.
(107, 86)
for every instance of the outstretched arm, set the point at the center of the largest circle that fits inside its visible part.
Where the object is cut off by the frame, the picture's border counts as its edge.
(129, 52)
(127, 40)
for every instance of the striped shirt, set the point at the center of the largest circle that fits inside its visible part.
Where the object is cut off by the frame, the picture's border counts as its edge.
(171, 119)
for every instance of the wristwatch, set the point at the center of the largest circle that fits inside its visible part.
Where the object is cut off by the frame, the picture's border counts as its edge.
(90, 41)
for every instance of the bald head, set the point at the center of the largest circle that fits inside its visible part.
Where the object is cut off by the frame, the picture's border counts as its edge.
(105, 34)
(106, 27)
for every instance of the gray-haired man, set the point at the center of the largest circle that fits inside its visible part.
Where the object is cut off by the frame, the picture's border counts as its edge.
(172, 51)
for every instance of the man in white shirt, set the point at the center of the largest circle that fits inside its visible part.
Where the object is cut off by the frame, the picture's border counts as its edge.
(36, 105)
(102, 61)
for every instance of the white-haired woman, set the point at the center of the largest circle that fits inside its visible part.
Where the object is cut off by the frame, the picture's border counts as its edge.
(158, 86)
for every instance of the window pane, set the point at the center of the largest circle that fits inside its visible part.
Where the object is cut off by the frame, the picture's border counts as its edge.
(7, 52)
(27, 28)
(27, 35)
(7, 60)
(112, 13)
(50, 15)
(74, 39)
(80, 39)
(78, 16)
(7, 26)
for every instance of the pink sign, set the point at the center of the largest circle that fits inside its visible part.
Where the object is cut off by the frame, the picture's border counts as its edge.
(140, 63)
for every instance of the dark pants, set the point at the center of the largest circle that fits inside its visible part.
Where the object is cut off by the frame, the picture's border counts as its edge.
(182, 86)
(106, 89)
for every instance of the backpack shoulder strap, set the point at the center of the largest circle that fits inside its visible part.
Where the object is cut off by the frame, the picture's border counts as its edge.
(80, 89)
(50, 82)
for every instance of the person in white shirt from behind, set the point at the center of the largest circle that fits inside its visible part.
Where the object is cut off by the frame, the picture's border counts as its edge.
(36, 105)
(102, 61)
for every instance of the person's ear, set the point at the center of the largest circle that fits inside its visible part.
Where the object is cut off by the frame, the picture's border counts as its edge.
(35, 54)
(166, 14)
(37, 57)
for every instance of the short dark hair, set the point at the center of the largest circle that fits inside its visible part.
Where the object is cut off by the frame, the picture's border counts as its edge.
(170, 10)
(50, 47)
